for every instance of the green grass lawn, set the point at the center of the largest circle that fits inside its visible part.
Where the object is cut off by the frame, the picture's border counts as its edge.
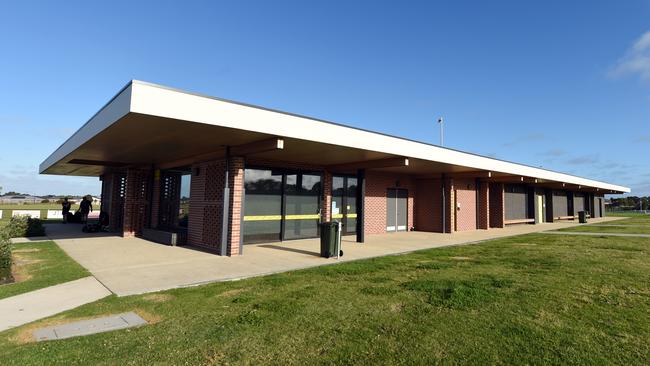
(533, 299)
(42, 207)
(632, 225)
(632, 219)
(39, 265)
(627, 229)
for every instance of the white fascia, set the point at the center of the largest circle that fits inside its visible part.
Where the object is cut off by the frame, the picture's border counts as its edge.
(111, 112)
(170, 103)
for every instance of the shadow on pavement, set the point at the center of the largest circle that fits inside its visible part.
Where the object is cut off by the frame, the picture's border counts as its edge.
(56, 231)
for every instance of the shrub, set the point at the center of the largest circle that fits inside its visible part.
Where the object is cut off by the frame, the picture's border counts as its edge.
(5, 257)
(20, 226)
(45, 201)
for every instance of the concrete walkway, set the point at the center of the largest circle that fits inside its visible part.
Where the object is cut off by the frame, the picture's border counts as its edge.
(31, 306)
(596, 234)
(130, 266)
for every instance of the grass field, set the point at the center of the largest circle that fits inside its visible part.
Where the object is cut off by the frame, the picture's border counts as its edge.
(633, 225)
(533, 299)
(39, 265)
(7, 209)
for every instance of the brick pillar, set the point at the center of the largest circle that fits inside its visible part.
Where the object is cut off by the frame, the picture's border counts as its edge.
(155, 199)
(450, 205)
(113, 191)
(236, 183)
(497, 205)
(136, 201)
(326, 202)
(484, 206)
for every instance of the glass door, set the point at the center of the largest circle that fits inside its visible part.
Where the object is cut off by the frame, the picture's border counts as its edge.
(302, 194)
(262, 205)
(344, 202)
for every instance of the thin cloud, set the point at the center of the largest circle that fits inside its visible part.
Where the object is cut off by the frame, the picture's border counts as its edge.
(554, 152)
(642, 139)
(583, 160)
(527, 138)
(636, 60)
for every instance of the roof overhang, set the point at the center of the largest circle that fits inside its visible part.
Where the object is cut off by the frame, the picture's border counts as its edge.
(147, 124)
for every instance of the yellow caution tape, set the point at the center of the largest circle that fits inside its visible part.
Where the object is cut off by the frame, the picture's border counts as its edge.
(301, 217)
(263, 218)
(340, 216)
(279, 217)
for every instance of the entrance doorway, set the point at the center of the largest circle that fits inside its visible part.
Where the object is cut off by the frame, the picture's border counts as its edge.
(280, 205)
(396, 209)
(541, 216)
(344, 203)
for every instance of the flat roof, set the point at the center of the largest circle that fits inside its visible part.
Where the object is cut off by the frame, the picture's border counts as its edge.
(149, 110)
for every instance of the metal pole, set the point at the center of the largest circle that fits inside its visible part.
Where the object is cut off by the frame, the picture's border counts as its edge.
(441, 122)
(338, 240)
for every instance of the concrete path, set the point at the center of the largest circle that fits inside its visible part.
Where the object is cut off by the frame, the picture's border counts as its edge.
(90, 326)
(596, 234)
(129, 266)
(31, 306)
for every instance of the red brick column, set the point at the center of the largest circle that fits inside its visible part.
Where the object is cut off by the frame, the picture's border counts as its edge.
(450, 205)
(484, 205)
(326, 203)
(113, 191)
(136, 201)
(497, 202)
(236, 183)
(155, 199)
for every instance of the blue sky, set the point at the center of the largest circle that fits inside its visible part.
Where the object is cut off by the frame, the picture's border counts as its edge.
(563, 85)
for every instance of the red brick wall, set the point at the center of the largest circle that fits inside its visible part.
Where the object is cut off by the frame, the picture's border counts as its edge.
(497, 212)
(428, 205)
(236, 183)
(484, 206)
(206, 204)
(136, 201)
(155, 199)
(326, 203)
(375, 202)
(465, 195)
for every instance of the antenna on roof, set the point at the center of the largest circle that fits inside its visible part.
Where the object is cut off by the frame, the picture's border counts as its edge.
(441, 122)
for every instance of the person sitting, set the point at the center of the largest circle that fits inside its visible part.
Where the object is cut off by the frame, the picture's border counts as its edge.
(65, 209)
(85, 207)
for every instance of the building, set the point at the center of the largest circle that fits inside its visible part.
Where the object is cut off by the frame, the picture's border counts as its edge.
(20, 200)
(221, 174)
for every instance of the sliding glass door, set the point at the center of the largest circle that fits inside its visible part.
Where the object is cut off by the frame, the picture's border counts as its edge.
(262, 205)
(302, 205)
(344, 203)
(281, 205)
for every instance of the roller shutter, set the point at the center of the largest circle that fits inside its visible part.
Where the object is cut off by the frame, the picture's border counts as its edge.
(516, 202)
(578, 202)
(560, 204)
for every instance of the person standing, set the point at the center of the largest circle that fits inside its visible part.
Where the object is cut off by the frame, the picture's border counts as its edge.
(85, 207)
(65, 209)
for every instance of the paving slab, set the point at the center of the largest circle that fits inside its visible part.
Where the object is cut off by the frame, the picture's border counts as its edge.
(129, 266)
(28, 307)
(90, 326)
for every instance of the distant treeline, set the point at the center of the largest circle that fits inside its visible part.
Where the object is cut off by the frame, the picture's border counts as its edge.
(631, 203)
